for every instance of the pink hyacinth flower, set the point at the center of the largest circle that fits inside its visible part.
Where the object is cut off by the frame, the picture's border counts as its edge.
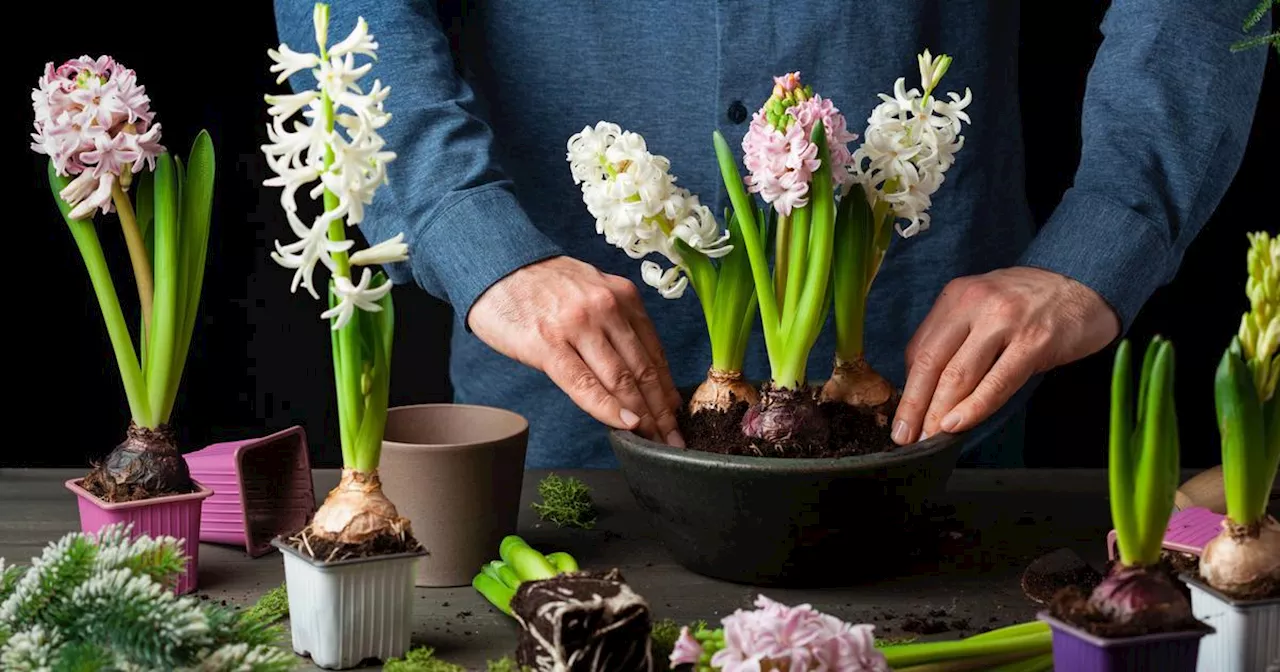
(94, 121)
(777, 637)
(687, 650)
(779, 157)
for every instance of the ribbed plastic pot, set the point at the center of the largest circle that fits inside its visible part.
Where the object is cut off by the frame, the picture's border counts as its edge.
(781, 521)
(1079, 651)
(1247, 636)
(348, 611)
(171, 516)
(262, 489)
(1188, 531)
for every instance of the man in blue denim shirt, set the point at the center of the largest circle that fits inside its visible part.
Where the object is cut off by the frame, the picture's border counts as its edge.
(979, 304)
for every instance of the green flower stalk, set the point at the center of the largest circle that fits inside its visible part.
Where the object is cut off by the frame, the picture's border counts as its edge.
(796, 154)
(639, 209)
(1143, 476)
(337, 145)
(95, 151)
(910, 142)
(1244, 559)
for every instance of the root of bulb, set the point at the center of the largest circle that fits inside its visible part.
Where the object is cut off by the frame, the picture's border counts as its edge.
(721, 391)
(857, 384)
(1244, 560)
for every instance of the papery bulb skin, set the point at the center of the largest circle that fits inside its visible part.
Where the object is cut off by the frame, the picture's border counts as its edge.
(357, 510)
(857, 384)
(146, 464)
(1141, 595)
(785, 418)
(721, 391)
(1243, 561)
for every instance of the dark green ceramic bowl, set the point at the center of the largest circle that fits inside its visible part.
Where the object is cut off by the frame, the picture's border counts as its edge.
(779, 521)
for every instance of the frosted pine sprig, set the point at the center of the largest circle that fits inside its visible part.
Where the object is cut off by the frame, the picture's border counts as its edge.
(638, 207)
(911, 140)
(104, 602)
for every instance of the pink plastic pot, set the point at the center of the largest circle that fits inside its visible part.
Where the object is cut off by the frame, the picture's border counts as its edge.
(172, 516)
(1189, 530)
(262, 489)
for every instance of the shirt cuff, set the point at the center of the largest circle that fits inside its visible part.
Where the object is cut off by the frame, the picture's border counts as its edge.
(476, 241)
(1109, 248)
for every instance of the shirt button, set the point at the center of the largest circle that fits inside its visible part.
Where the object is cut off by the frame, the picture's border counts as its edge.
(737, 112)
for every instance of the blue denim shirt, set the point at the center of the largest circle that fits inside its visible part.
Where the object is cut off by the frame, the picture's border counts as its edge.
(481, 186)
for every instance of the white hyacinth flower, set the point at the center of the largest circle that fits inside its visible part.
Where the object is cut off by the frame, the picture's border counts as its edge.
(325, 140)
(637, 206)
(911, 140)
(355, 296)
(388, 251)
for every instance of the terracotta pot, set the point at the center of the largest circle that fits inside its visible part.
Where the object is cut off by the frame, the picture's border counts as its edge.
(455, 472)
(175, 516)
(263, 489)
(783, 521)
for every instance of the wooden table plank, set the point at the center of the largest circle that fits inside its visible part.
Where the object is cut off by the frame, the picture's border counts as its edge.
(1008, 518)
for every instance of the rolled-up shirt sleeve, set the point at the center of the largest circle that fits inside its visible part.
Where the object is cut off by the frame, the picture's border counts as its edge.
(446, 192)
(1167, 113)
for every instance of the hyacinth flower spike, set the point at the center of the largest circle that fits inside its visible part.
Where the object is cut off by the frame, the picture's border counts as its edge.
(639, 209)
(796, 154)
(94, 122)
(334, 152)
(911, 140)
(1243, 561)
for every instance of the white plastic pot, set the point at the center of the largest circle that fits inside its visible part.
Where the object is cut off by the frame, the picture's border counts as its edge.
(1248, 632)
(348, 611)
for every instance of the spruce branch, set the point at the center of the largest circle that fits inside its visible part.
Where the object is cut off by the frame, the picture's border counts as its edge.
(1253, 19)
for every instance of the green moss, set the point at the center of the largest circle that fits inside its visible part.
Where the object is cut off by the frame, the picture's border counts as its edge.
(566, 502)
(505, 664)
(421, 659)
(270, 607)
(666, 632)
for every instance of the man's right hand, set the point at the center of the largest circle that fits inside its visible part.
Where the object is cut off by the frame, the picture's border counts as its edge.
(588, 331)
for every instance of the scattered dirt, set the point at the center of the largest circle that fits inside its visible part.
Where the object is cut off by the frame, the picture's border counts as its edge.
(1049, 574)
(330, 551)
(852, 432)
(925, 626)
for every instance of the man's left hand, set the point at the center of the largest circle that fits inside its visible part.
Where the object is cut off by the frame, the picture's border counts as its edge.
(986, 336)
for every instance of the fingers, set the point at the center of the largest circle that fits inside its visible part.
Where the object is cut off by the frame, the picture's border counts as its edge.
(929, 354)
(1010, 372)
(570, 372)
(960, 376)
(618, 377)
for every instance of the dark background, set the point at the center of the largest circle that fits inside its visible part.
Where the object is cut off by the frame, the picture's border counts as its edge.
(260, 359)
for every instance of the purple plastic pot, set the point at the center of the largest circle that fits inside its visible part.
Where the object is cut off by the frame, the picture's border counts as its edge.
(171, 516)
(262, 489)
(1189, 530)
(1079, 651)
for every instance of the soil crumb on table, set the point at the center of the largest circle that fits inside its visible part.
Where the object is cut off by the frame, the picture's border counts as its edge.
(853, 432)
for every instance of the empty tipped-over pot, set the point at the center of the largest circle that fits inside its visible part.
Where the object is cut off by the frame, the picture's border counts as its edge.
(262, 489)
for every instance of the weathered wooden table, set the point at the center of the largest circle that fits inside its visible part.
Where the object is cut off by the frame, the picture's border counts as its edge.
(1001, 520)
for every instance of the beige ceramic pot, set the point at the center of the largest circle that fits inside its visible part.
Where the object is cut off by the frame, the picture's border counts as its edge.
(455, 472)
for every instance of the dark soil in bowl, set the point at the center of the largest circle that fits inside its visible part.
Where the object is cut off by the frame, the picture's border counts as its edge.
(853, 432)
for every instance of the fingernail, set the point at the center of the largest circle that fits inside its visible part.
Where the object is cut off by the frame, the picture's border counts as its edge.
(629, 419)
(900, 432)
(924, 436)
(952, 421)
(674, 439)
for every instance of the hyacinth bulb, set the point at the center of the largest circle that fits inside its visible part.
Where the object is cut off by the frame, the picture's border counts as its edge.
(1140, 595)
(857, 384)
(1244, 561)
(721, 391)
(785, 417)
